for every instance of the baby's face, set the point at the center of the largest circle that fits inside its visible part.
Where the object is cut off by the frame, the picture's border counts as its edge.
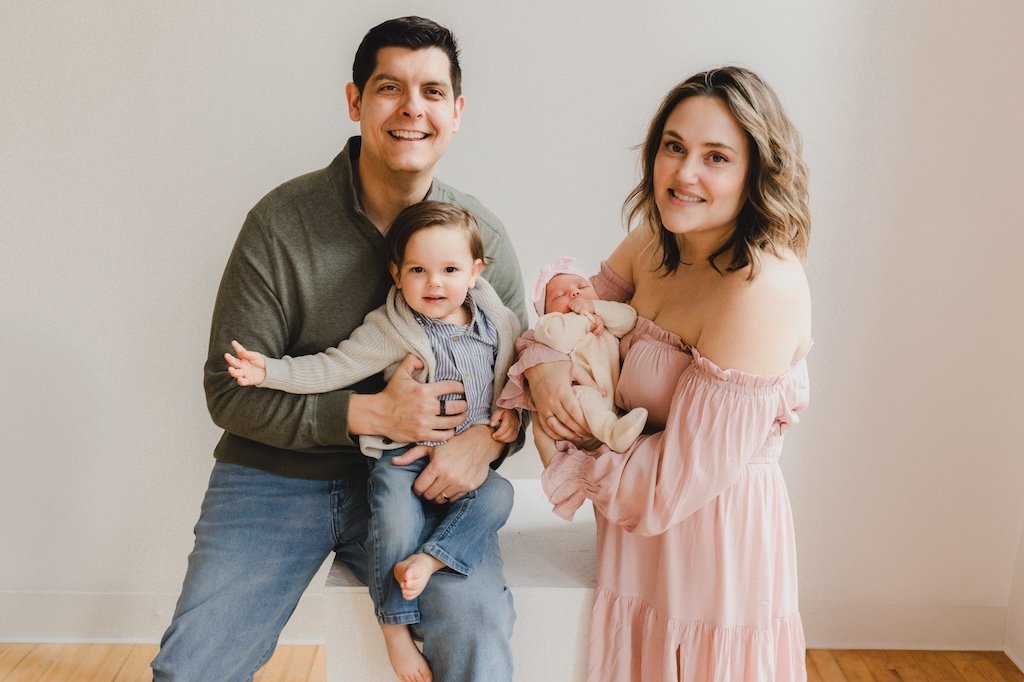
(563, 288)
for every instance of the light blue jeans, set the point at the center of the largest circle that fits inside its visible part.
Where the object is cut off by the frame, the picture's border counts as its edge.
(402, 524)
(259, 541)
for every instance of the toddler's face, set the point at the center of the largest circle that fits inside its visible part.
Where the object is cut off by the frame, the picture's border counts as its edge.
(563, 288)
(437, 272)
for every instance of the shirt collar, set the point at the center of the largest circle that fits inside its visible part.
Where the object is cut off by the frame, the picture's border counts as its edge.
(474, 328)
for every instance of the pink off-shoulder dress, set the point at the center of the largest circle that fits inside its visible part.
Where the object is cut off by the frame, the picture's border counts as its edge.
(696, 558)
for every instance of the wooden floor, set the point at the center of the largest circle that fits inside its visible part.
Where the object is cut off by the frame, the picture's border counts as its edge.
(130, 663)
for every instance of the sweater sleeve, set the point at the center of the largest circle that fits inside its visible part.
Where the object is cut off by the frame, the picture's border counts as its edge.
(619, 318)
(718, 420)
(562, 331)
(249, 307)
(502, 272)
(371, 348)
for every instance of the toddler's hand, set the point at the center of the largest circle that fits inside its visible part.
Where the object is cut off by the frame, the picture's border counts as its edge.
(505, 425)
(249, 368)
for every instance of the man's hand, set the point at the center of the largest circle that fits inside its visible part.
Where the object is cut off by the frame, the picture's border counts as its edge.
(457, 467)
(407, 411)
(249, 368)
(558, 410)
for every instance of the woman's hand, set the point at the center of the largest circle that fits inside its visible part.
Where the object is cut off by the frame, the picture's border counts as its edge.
(558, 411)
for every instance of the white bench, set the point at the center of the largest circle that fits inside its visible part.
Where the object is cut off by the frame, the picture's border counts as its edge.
(549, 566)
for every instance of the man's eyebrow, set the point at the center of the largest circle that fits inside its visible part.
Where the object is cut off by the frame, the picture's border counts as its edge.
(388, 77)
(713, 145)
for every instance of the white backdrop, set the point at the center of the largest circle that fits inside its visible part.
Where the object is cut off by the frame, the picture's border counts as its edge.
(135, 136)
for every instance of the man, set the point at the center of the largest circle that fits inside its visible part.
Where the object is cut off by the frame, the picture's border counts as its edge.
(289, 484)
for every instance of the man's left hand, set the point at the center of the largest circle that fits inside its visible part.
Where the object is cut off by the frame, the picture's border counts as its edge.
(456, 467)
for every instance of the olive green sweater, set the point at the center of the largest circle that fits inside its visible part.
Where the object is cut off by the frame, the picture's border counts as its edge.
(307, 267)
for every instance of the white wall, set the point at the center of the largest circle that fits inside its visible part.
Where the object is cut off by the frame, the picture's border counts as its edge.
(135, 136)
(1014, 644)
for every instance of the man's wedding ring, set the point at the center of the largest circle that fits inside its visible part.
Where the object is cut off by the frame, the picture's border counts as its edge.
(443, 413)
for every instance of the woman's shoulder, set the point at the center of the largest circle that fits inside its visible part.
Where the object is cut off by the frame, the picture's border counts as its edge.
(762, 323)
(634, 255)
(779, 278)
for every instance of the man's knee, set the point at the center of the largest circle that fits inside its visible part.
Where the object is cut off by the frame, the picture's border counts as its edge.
(497, 493)
(467, 603)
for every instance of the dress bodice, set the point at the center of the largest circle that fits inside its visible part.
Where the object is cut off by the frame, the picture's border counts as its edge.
(653, 360)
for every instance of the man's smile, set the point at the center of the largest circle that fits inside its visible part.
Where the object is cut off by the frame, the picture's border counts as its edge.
(408, 134)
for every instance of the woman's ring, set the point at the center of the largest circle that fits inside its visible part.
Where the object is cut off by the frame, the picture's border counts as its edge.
(549, 415)
(445, 496)
(442, 414)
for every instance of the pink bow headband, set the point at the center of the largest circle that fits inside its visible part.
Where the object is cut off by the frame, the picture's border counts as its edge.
(559, 267)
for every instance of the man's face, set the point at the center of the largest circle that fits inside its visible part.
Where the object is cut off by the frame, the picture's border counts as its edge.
(407, 111)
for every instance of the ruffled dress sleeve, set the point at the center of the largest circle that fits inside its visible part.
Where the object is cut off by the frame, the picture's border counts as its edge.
(610, 287)
(718, 421)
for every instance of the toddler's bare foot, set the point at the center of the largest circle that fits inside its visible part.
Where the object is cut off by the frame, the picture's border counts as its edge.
(406, 658)
(414, 573)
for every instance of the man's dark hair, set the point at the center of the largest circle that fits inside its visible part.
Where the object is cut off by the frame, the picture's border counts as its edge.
(415, 33)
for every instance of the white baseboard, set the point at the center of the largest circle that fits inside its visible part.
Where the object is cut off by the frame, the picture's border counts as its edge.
(105, 617)
(142, 617)
(1016, 656)
(854, 625)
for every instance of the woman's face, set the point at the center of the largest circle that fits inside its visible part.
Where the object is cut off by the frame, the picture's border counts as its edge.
(700, 170)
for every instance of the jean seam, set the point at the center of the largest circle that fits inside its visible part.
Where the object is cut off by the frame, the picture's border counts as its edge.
(375, 565)
(404, 618)
(264, 658)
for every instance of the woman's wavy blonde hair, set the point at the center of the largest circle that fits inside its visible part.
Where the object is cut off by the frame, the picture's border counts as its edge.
(775, 214)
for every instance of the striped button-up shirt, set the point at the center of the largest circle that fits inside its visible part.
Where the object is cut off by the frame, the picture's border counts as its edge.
(465, 354)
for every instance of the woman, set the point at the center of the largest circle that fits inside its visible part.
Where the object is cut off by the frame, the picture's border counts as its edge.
(696, 568)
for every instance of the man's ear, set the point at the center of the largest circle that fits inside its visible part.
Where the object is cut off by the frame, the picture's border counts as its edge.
(354, 99)
(478, 267)
(460, 104)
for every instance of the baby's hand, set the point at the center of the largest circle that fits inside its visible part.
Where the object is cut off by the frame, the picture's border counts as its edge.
(585, 307)
(505, 424)
(581, 305)
(249, 368)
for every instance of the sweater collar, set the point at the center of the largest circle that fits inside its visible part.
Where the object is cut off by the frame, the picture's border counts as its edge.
(343, 172)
